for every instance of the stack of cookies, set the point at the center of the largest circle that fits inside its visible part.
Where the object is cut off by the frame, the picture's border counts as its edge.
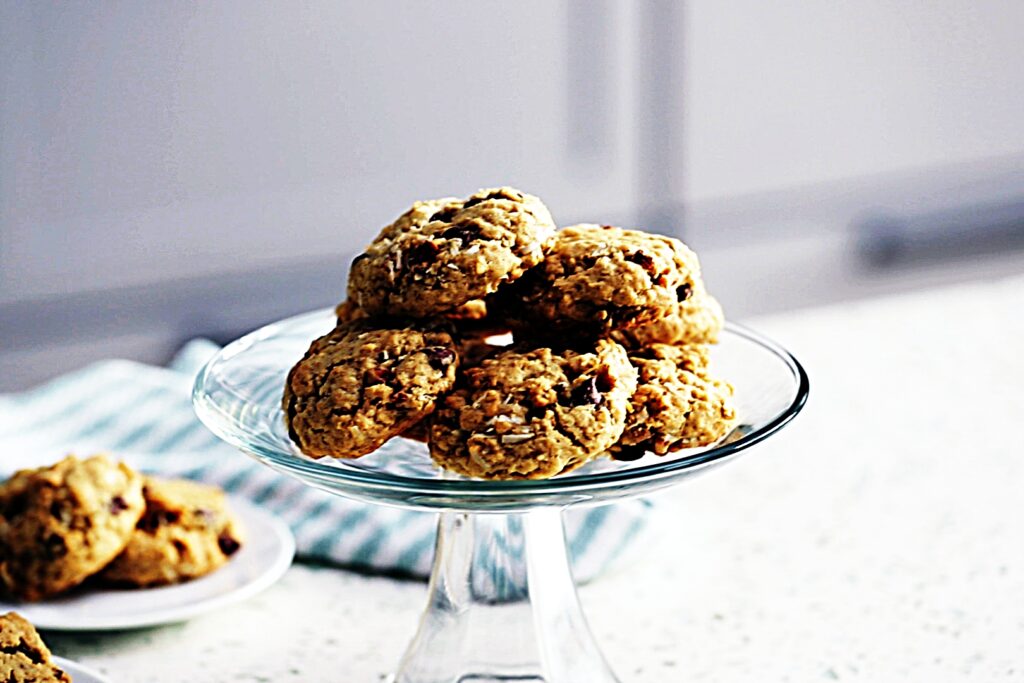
(514, 349)
(62, 524)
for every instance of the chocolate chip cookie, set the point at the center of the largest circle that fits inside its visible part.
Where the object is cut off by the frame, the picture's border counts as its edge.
(597, 278)
(24, 657)
(185, 532)
(533, 413)
(697, 320)
(365, 382)
(676, 405)
(443, 254)
(61, 524)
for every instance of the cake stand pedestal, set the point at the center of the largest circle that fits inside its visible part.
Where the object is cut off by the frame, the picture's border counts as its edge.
(502, 606)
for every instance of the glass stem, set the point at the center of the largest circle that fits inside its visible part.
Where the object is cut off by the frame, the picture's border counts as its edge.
(503, 606)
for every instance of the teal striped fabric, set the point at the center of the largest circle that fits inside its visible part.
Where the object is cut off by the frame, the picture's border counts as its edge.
(143, 415)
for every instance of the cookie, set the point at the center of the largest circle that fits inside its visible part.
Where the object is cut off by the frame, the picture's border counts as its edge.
(430, 263)
(24, 657)
(61, 524)
(533, 413)
(676, 404)
(697, 320)
(365, 382)
(185, 532)
(597, 278)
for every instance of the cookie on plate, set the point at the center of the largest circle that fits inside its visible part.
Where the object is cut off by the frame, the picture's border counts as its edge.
(63, 523)
(597, 278)
(24, 657)
(185, 532)
(365, 382)
(443, 254)
(697, 320)
(533, 413)
(676, 405)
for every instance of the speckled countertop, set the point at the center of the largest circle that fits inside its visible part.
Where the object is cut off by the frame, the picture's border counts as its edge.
(879, 538)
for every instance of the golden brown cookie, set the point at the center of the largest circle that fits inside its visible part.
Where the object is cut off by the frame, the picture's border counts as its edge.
(533, 413)
(63, 523)
(365, 382)
(676, 405)
(598, 278)
(186, 532)
(443, 254)
(24, 657)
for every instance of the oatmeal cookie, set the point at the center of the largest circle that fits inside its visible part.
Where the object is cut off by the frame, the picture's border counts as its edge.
(185, 532)
(676, 405)
(63, 523)
(24, 657)
(533, 413)
(431, 263)
(697, 320)
(365, 382)
(597, 278)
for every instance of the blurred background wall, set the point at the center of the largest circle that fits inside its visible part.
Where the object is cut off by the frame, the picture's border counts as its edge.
(172, 169)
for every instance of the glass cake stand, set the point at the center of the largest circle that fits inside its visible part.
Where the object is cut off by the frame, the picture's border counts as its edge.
(502, 603)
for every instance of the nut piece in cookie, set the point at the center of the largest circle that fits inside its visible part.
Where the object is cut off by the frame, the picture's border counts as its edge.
(24, 657)
(430, 263)
(533, 413)
(186, 532)
(597, 278)
(63, 523)
(365, 382)
(676, 405)
(696, 320)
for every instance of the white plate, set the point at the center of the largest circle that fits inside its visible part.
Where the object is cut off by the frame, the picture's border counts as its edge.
(78, 673)
(265, 555)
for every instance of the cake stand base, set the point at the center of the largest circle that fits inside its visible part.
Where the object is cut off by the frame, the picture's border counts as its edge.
(502, 606)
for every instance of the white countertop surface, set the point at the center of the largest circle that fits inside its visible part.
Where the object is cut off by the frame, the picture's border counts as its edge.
(880, 537)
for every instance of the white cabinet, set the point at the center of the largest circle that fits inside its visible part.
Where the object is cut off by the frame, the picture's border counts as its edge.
(173, 169)
(153, 141)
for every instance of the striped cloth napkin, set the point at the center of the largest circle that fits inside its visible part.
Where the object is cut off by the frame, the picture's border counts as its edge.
(143, 415)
